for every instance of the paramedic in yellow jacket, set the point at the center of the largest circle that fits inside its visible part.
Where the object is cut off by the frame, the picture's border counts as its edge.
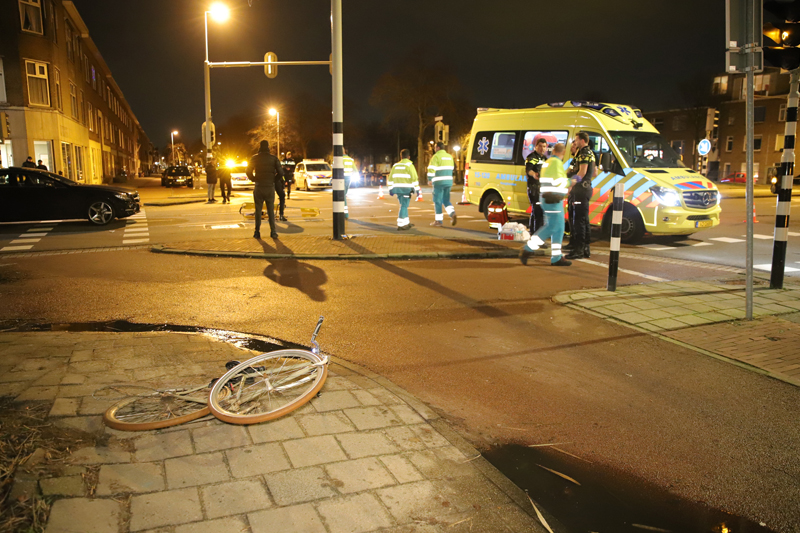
(554, 186)
(350, 171)
(440, 175)
(403, 182)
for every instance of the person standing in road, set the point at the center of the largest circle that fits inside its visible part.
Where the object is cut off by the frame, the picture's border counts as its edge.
(403, 182)
(533, 167)
(225, 187)
(350, 170)
(211, 179)
(29, 163)
(440, 175)
(281, 184)
(581, 194)
(264, 169)
(40, 165)
(554, 186)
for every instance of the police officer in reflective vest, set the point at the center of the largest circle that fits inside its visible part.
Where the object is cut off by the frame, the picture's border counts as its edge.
(440, 175)
(580, 195)
(403, 182)
(533, 167)
(350, 171)
(554, 186)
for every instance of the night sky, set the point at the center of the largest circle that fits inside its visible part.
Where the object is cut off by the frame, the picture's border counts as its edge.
(507, 53)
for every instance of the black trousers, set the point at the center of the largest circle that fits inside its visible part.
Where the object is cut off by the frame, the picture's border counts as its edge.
(225, 188)
(537, 213)
(281, 198)
(261, 195)
(580, 235)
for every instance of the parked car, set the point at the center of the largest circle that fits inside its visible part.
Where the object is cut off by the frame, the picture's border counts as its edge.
(30, 194)
(735, 177)
(313, 173)
(177, 176)
(239, 179)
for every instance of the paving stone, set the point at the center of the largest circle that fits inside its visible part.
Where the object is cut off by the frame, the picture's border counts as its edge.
(406, 414)
(156, 447)
(94, 406)
(219, 437)
(401, 468)
(420, 502)
(73, 379)
(20, 376)
(386, 397)
(668, 323)
(37, 364)
(256, 460)
(334, 400)
(78, 356)
(714, 317)
(692, 320)
(325, 423)
(281, 429)
(65, 407)
(354, 514)
(632, 318)
(231, 524)
(364, 382)
(235, 497)
(358, 445)
(655, 314)
(295, 519)
(359, 475)
(313, 451)
(339, 383)
(300, 485)
(437, 463)
(366, 397)
(138, 478)
(372, 417)
(88, 424)
(37, 394)
(406, 438)
(87, 367)
(95, 456)
(62, 486)
(166, 508)
(53, 378)
(195, 470)
(97, 516)
(76, 391)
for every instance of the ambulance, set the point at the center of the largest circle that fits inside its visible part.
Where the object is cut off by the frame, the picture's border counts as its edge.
(662, 195)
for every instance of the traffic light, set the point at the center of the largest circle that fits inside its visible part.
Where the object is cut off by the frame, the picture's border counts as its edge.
(5, 127)
(782, 33)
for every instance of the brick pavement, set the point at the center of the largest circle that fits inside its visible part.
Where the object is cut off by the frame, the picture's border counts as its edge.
(363, 456)
(708, 315)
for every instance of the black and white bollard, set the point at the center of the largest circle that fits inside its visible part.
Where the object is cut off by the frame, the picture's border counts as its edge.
(616, 233)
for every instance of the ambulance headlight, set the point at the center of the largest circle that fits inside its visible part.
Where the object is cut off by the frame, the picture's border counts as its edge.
(666, 196)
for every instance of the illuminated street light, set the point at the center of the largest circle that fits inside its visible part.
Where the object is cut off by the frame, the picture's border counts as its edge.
(172, 139)
(219, 12)
(275, 113)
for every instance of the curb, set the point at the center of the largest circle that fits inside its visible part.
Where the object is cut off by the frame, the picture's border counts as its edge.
(361, 257)
(175, 202)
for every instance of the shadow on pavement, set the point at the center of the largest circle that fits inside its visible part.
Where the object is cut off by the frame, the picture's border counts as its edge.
(304, 277)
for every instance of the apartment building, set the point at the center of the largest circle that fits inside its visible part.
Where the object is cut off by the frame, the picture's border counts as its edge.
(61, 101)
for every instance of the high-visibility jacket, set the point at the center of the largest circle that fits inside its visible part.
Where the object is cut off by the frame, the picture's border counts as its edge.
(403, 176)
(553, 178)
(441, 167)
(350, 170)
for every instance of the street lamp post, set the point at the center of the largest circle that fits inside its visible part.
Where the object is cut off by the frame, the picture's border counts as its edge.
(277, 114)
(172, 135)
(219, 12)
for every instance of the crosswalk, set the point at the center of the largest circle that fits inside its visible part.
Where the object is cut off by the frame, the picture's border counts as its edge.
(136, 231)
(709, 242)
(28, 239)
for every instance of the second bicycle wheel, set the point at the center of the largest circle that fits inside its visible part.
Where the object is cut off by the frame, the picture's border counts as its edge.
(267, 386)
(158, 410)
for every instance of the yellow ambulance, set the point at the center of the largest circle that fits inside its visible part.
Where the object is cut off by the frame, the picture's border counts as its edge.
(662, 195)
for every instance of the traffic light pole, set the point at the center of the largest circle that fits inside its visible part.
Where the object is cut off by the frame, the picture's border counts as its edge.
(785, 178)
(750, 178)
(338, 120)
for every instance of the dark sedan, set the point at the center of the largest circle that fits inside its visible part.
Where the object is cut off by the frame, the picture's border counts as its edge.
(29, 194)
(177, 176)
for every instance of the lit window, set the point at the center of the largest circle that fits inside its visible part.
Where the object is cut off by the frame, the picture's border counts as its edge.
(73, 96)
(720, 85)
(30, 14)
(57, 81)
(782, 113)
(38, 84)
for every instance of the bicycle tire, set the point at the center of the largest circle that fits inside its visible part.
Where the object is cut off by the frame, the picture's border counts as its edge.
(142, 413)
(291, 379)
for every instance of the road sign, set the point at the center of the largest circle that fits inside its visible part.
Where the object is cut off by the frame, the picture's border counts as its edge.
(736, 61)
(704, 147)
(271, 70)
(743, 23)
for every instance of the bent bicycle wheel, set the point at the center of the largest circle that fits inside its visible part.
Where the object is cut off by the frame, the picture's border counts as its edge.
(267, 386)
(159, 410)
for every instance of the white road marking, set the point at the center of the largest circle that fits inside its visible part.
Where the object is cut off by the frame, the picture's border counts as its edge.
(794, 234)
(226, 226)
(632, 272)
(136, 230)
(25, 241)
(14, 248)
(26, 235)
(763, 237)
(768, 268)
(134, 241)
(725, 239)
(656, 247)
(693, 243)
(41, 229)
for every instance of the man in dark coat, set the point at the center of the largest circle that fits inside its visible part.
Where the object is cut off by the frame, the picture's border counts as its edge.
(211, 179)
(264, 169)
(41, 165)
(29, 163)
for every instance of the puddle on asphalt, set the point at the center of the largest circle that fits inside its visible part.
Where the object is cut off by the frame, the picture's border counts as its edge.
(603, 503)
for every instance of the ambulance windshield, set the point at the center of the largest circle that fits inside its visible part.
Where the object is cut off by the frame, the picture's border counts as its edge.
(644, 149)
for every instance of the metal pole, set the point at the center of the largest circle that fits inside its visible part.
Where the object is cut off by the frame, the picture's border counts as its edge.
(207, 81)
(278, 118)
(338, 121)
(172, 139)
(785, 186)
(616, 234)
(749, 208)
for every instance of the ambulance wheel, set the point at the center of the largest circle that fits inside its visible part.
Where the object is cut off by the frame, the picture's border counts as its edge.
(632, 224)
(489, 198)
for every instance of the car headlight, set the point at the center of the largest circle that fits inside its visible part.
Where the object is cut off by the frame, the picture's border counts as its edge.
(666, 196)
(123, 196)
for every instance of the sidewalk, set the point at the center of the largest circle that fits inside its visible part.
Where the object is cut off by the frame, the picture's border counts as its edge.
(738, 190)
(707, 316)
(362, 456)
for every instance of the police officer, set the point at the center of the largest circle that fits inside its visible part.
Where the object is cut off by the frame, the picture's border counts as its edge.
(533, 167)
(265, 171)
(281, 184)
(440, 175)
(583, 165)
(350, 172)
(403, 182)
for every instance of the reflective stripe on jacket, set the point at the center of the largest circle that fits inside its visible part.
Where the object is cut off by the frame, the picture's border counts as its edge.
(441, 167)
(554, 177)
(403, 175)
(349, 166)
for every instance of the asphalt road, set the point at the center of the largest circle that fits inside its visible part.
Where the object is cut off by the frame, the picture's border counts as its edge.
(482, 343)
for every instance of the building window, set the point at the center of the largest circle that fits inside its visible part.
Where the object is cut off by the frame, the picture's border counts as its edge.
(756, 143)
(779, 138)
(30, 14)
(73, 98)
(726, 169)
(90, 115)
(729, 144)
(678, 122)
(86, 73)
(66, 160)
(76, 46)
(658, 123)
(79, 163)
(69, 31)
(678, 147)
(83, 108)
(720, 85)
(94, 79)
(782, 113)
(2, 83)
(760, 114)
(761, 83)
(38, 85)
(57, 81)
